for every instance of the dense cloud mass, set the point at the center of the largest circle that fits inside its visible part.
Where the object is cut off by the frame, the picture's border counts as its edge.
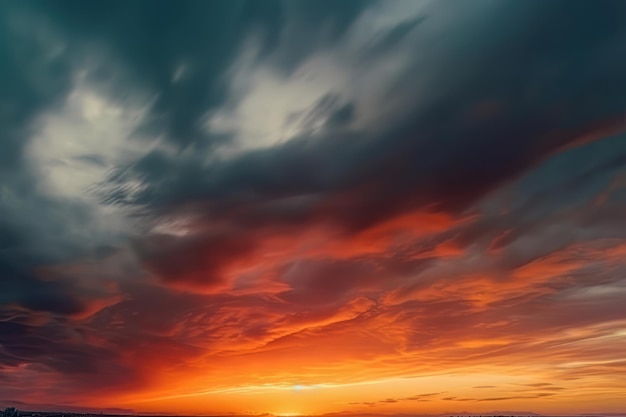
(248, 195)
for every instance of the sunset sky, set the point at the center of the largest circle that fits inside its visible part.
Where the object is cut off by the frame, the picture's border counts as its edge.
(304, 207)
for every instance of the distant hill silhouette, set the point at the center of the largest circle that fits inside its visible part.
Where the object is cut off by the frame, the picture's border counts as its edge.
(33, 407)
(491, 413)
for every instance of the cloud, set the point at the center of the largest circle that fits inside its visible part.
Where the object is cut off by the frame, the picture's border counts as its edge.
(356, 178)
(316, 193)
(417, 398)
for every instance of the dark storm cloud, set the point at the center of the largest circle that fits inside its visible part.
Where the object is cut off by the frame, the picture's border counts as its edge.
(353, 181)
(431, 157)
(547, 73)
(149, 43)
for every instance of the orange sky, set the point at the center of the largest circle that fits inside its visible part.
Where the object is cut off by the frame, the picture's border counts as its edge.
(471, 336)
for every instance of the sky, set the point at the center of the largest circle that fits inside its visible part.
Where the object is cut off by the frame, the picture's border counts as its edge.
(306, 207)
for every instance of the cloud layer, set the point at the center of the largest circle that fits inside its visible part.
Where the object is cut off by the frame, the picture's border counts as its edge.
(238, 201)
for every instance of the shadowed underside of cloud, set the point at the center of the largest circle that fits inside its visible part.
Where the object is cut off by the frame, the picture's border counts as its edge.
(190, 189)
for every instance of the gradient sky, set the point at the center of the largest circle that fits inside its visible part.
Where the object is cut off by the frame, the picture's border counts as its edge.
(315, 206)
